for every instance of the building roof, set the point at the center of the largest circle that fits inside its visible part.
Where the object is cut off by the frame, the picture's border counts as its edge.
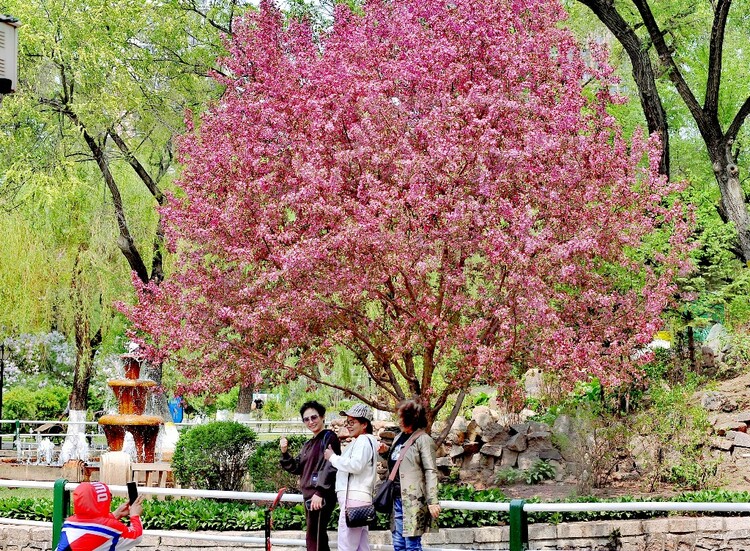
(9, 19)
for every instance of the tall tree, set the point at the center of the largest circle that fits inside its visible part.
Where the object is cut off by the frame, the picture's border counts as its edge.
(428, 187)
(691, 55)
(106, 84)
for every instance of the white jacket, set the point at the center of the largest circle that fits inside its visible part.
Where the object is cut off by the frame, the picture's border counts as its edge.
(357, 465)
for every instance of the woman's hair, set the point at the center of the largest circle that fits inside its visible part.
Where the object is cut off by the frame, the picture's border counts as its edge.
(367, 422)
(412, 414)
(320, 408)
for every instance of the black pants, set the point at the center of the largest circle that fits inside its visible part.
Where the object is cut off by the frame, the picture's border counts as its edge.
(317, 526)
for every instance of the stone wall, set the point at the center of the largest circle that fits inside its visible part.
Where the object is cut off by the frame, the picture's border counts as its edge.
(664, 534)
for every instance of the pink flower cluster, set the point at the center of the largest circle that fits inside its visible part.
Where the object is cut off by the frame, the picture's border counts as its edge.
(436, 186)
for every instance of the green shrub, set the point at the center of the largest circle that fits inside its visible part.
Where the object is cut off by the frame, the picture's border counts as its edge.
(509, 475)
(51, 401)
(19, 403)
(541, 470)
(265, 473)
(213, 456)
(205, 514)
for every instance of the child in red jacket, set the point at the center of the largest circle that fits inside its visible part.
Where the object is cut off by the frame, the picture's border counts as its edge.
(94, 528)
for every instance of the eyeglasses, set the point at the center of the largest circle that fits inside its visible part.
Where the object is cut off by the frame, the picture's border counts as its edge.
(310, 419)
(351, 422)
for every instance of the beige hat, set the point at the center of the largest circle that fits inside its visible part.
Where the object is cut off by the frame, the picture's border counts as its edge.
(358, 411)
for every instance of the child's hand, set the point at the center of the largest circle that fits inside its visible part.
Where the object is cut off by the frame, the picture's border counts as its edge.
(137, 507)
(121, 511)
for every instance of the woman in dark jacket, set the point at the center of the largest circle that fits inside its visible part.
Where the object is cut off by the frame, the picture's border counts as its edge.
(317, 476)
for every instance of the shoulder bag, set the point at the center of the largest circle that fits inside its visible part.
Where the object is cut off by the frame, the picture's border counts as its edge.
(383, 501)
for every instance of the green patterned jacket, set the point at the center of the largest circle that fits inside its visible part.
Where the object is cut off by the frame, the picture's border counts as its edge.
(418, 476)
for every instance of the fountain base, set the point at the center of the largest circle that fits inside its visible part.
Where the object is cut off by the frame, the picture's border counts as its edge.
(144, 428)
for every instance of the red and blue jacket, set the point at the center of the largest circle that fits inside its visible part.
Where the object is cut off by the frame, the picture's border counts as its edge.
(93, 527)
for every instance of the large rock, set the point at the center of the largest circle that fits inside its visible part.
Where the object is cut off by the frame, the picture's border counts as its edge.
(457, 434)
(550, 454)
(456, 451)
(713, 401)
(741, 439)
(519, 428)
(533, 383)
(444, 462)
(473, 432)
(717, 339)
(487, 422)
(492, 450)
(508, 459)
(516, 443)
(527, 459)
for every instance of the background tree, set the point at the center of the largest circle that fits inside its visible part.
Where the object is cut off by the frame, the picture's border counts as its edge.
(428, 188)
(695, 47)
(104, 86)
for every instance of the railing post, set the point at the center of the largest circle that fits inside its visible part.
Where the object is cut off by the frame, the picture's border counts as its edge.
(17, 435)
(60, 509)
(519, 526)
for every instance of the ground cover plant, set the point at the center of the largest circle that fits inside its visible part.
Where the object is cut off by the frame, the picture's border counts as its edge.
(203, 514)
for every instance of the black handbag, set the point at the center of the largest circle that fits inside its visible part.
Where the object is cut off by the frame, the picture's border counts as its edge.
(364, 515)
(383, 501)
(360, 516)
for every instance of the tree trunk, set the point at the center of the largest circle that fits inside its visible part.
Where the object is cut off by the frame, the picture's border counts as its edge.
(85, 344)
(451, 419)
(733, 205)
(244, 404)
(245, 399)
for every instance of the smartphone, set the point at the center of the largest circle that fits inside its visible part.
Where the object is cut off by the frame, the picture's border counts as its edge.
(308, 504)
(132, 492)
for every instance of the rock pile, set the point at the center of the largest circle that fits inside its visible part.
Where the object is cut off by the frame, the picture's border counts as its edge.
(476, 451)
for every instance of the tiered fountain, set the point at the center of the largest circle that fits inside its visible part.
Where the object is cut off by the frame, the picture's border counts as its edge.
(131, 394)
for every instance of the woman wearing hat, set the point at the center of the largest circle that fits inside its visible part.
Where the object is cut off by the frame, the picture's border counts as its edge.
(356, 475)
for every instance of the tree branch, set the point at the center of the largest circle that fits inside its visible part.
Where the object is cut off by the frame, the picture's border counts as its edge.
(665, 55)
(140, 170)
(739, 120)
(643, 72)
(713, 82)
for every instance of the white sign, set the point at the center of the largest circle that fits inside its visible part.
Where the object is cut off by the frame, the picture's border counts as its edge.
(8, 53)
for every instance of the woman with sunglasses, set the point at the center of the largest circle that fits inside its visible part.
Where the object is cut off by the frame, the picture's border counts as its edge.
(356, 475)
(317, 476)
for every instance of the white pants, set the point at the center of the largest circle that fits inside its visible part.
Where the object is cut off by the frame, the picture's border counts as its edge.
(351, 539)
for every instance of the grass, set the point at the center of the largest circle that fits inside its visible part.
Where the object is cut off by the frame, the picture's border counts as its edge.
(26, 493)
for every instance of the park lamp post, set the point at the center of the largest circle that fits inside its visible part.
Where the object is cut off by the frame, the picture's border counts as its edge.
(8, 55)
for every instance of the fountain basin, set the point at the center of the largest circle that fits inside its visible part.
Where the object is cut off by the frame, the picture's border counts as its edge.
(131, 395)
(144, 428)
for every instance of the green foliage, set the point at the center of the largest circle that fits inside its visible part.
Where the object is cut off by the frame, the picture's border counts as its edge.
(681, 433)
(213, 456)
(274, 410)
(540, 471)
(204, 514)
(509, 475)
(19, 403)
(26, 508)
(228, 400)
(263, 467)
(51, 401)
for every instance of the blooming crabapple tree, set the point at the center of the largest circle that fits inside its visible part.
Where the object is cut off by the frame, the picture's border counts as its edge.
(435, 188)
